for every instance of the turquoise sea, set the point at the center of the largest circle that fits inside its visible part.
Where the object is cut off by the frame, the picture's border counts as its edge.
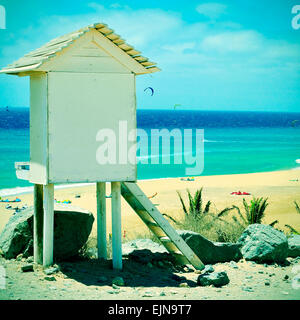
(234, 142)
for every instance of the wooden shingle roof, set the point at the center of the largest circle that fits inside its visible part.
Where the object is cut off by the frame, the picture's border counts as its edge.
(34, 59)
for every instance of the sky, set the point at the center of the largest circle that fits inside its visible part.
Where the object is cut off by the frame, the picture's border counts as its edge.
(221, 55)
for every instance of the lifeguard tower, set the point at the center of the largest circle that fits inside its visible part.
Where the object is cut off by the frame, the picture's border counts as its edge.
(80, 83)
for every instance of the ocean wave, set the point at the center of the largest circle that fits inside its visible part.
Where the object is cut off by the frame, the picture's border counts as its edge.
(15, 191)
(21, 190)
(205, 140)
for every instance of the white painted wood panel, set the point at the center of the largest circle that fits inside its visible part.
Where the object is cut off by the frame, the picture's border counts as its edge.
(38, 129)
(116, 225)
(101, 220)
(81, 104)
(82, 63)
(48, 230)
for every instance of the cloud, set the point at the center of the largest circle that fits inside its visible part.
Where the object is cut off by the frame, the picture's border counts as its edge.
(188, 52)
(245, 41)
(211, 10)
(163, 36)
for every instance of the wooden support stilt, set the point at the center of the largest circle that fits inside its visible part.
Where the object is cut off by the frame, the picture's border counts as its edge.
(116, 225)
(38, 224)
(101, 220)
(48, 225)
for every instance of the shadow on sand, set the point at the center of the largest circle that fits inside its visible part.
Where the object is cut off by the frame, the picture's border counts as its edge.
(94, 272)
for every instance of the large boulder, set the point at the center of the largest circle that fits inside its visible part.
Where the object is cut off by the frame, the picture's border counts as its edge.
(208, 251)
(16, 237)
(294, 246)
(72, 227)
(262, 243)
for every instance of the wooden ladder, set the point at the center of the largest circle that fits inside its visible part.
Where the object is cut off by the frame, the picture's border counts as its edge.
(160, 227)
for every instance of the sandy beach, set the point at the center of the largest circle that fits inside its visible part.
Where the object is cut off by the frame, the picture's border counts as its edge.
(282, 188)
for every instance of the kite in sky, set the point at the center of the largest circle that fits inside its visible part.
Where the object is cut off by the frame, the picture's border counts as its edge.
(151, 89)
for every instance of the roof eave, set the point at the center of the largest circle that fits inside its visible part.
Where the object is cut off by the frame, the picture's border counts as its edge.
(15, 71)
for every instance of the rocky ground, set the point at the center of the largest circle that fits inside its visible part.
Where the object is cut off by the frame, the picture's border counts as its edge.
(92, 279)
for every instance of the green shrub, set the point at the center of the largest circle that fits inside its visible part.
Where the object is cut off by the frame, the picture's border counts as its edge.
(254, 212)
(199, 217)
(291, 229)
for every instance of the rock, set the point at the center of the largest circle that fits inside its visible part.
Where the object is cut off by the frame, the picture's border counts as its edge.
(294, 246)
(92, 253)
(72, 227)
(19, 257)
(113, 291)
(208, 269)
(262, 243)
(248, 289)
(183, 285)
(139, 244)
(217, 279)
(148, 295)
(146, 256)
(233, 265)
(114, 286)
(49, 278)
(145, 251)
(51, 270)
(16, 234)
(208, 251)
(30, 259)
(188, 269)
(118, 281)
(27, 268)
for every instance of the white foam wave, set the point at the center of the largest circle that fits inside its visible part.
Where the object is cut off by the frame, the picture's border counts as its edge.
(23, 190)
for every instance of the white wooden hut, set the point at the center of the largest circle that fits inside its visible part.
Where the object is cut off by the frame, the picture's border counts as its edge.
(80, 83)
